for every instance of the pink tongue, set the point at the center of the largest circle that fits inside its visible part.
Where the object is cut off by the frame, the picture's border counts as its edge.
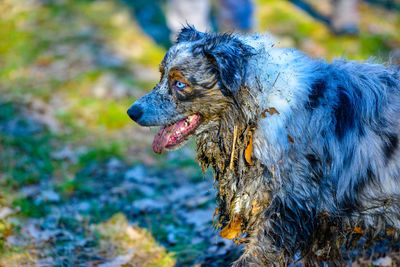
(163, 136)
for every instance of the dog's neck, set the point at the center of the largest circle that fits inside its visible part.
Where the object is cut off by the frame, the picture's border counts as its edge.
(239, 177)
(260, 113)
(280, 81)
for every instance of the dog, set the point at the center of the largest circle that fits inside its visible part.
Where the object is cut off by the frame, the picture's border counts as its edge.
(305, 153)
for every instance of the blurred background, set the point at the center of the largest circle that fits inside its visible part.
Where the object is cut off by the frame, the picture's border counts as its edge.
(79, 183)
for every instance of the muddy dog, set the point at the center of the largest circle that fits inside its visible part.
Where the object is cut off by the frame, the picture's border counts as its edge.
(306, 153)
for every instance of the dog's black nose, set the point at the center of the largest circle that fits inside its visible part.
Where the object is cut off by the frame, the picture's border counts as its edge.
(135, 112)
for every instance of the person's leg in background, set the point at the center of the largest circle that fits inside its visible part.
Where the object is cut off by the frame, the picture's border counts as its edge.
(182, 12)
(235, 15)
(346, 17)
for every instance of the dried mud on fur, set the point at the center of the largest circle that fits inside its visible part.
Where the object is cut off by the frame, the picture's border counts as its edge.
(228, 150)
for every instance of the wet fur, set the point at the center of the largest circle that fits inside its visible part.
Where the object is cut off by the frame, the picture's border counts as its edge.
(325, 168)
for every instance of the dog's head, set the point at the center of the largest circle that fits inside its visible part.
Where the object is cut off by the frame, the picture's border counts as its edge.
(200, 76)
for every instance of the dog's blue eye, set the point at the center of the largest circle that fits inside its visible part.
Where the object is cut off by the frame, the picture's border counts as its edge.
(180, 85)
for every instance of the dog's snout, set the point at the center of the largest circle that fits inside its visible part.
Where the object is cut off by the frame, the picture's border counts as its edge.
(135, 112)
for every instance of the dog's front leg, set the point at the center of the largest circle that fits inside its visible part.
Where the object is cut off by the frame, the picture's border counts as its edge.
(261, 251)
(284, 230)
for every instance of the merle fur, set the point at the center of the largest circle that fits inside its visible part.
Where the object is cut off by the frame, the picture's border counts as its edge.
(303, 196)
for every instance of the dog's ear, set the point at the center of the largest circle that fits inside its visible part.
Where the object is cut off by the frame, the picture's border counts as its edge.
(189, 34)
(229, 56)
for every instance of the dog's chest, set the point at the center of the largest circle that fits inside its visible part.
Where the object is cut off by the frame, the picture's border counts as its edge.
(243, 191)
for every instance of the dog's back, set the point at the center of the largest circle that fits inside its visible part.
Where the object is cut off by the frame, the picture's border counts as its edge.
(333, 150)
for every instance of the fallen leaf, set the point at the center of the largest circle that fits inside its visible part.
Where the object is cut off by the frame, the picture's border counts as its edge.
(240, 241)
(390, 231)
(358, 230)
(291, 141)
(244, 240)
(270, 111)
(248, 151)
(263, 115)
(232, 229)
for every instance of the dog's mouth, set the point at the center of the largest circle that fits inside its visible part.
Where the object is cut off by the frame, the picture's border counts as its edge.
(173, 135)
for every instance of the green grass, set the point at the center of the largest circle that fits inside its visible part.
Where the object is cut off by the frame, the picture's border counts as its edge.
(25, 156)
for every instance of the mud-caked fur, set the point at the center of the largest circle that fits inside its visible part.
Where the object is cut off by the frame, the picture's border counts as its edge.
(306, 154)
